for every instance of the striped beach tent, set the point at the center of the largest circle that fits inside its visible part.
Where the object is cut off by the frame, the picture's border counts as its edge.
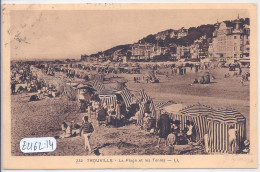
(141, 105)
(171, 108)
(98, 85)
(198, 114)
(219, 124)
(161, 105)
(108, 96)
(127, 97)
(160, 108)
(98, 77)
(152, 109)
(108, 99)
(143, 97)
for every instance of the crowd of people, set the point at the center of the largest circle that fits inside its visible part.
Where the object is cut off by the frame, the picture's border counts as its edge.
(167, 129)
(24, 80)
(146, 79)
(164, 127)
(105, 114)
(109, 114)
(105, 69)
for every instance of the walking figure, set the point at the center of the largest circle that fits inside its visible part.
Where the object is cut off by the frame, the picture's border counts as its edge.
(232, 135)
(171, 141)
(242, 82)
(87, 129)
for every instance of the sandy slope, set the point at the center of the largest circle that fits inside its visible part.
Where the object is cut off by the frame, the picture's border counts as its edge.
(43, 118)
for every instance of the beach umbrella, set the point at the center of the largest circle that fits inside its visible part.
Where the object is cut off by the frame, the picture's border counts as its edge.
(198, 114)
(219, 124)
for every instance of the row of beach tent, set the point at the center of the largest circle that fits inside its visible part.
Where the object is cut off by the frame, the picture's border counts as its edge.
(215, 123)
(207, 120)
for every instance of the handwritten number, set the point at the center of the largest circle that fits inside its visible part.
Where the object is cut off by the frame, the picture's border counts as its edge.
(51, 144)
(24, 145)
(35, 146)
(40, 146)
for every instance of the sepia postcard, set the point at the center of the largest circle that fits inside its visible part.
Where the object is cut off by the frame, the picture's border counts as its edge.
(108, 86)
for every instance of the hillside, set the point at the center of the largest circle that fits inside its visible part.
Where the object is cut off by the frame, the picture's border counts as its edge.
(169, 37)
(122, 48)
(193, 34)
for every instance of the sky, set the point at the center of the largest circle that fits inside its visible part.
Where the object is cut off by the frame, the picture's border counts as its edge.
(68, 34)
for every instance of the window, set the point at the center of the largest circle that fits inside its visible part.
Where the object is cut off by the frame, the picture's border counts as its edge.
(235, 37)
(240, 48)
(235, 55)
(247, 42)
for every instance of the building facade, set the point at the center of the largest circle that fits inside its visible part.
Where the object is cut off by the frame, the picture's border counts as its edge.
(145, 51)
(183, 52)
(230, 41)
(89, 58)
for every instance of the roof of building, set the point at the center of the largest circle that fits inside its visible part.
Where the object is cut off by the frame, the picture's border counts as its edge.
(229, 23)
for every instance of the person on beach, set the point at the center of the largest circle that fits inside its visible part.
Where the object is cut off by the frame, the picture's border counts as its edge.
(111, 114)
(86, 129)
(206, 142)
(64, 127)
(189, 131)
(145, 121)
(171, 139)
(139, 118)
(164, 128)
(66, 130)
(102, 115)
(242, 82)
(232, 135)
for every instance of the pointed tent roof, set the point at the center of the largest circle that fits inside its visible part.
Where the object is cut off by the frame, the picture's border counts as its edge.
(173, 108)
(196, 110)
(108, 92)
(84, 86)
(161, 105)
(228, 116)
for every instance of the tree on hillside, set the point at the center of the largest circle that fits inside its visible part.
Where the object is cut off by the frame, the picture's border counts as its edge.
(194, 33)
